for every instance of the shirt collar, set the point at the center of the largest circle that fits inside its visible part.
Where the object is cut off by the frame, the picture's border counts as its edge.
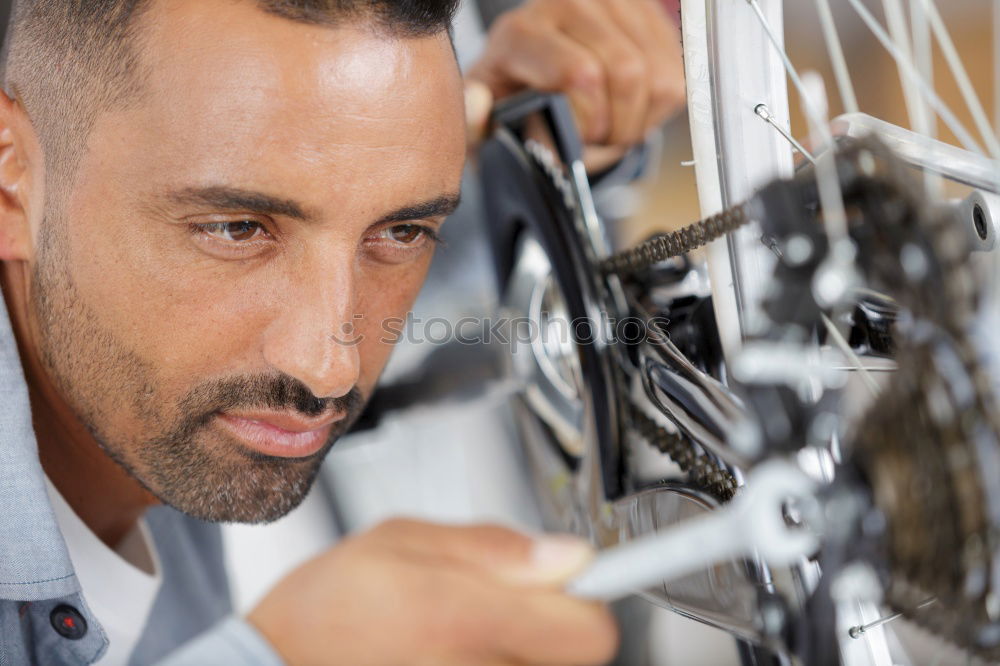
(34, 563)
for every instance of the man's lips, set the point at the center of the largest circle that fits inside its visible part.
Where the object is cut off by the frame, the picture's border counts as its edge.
(284, 434)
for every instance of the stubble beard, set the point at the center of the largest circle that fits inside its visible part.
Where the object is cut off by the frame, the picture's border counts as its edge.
(176, 451)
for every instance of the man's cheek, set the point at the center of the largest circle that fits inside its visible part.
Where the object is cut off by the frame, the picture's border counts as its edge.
(133, 289)
(194, 329)
(373, 347)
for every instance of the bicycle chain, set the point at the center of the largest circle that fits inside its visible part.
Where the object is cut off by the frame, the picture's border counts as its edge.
(665, 246)
(545, 160)
(702, 470)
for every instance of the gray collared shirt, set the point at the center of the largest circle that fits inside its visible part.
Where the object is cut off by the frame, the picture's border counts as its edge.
(191, 621)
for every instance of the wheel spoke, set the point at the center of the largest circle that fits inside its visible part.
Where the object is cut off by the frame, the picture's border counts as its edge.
(915, 107)
(831, 198)
(833, 46)
(961, 77)
(923, 57)
(996, 65)
(910, 72)
(852, 356)
(765, 115)
(811, 113)
(923, 54)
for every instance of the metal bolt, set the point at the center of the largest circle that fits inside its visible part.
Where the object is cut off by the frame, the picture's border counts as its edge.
(798, 250)
(979, 221)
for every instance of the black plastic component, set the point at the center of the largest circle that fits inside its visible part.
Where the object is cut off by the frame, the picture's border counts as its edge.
(873, 321)
(692, 328)
(787, 214)
(514, 113)
(68, 622)
(520, 198)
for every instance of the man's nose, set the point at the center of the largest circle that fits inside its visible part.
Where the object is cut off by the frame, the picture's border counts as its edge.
(316, 338)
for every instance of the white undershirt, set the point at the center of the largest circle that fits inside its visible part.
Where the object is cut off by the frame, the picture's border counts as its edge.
(119, 585)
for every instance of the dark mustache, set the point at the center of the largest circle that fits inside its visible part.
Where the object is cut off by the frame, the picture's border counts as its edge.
(278, 392)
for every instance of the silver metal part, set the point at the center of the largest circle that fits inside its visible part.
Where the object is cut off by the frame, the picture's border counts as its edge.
(724, 594)
(752, 524)
(857, 594)
(544, 361)
(859, 630)
(961, 166)
(765, 114)
(698, 404)
(980, 214)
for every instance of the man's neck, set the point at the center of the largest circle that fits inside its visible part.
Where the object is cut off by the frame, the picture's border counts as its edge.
(100, 491)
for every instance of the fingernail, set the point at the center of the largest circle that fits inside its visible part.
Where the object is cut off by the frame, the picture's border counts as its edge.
(560, 555)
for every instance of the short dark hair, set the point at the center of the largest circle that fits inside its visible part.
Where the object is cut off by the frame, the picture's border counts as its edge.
(66, 60)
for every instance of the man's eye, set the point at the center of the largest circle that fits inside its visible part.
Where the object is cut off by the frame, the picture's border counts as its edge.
(409, 234)
(234, 232)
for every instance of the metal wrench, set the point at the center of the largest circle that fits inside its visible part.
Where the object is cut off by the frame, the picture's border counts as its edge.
(752, 523)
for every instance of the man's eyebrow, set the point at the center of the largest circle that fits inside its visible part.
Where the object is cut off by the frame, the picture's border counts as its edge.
(234, 198)
(438, 207)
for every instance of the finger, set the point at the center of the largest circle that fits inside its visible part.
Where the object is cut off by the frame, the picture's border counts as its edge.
(552, 628)
(667, 89)
(589, 24)
(649, 26)
(598, 159)
(504, 555)
(528, 52)
(478, 104)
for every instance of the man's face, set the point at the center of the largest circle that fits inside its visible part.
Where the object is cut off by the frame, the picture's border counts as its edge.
(210, 290)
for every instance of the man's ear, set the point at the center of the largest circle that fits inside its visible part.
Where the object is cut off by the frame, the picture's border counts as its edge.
(20, 157)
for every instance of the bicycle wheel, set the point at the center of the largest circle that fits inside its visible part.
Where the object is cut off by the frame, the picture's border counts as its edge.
(738, 78)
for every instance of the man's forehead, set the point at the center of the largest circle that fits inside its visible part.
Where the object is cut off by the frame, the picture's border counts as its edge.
(199, 42)
(237, 96)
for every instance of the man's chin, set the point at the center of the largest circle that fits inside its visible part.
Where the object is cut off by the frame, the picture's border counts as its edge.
(224, 480)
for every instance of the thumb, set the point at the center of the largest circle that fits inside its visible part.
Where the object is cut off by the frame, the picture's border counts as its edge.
(514, 558)
(505, 555)
(478, 105)
(553, 561)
